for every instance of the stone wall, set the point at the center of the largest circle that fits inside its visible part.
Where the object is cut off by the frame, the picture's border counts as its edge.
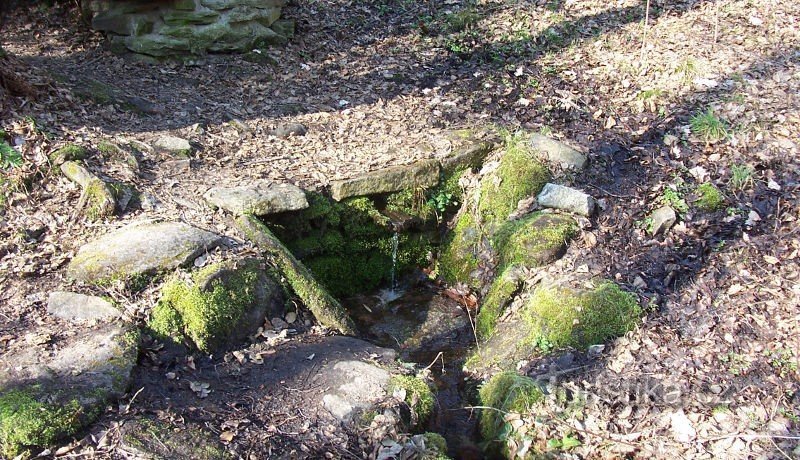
(190, 27)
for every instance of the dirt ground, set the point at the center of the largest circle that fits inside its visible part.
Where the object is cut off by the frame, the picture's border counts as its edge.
(712, 372)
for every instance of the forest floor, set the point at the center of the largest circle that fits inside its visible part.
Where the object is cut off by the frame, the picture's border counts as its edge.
(703, 92)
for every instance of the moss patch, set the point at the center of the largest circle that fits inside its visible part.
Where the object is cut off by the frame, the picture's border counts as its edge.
(558, 317)
(69, 152)
(162, 441)
(435, 447)
(710, 198)
(347, 245)
(25, 422)
(536, 240)
(419, 397)
(458, 258)
(519, 175)
(506, 392)
(204, 316)
(100, 202)
(499, 295)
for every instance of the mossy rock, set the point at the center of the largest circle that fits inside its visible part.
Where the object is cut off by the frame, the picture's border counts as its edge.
(326, 309)
(519, 175)
(69, 152)
(500, 294)
(554, 317)
(435, 447)
(458, 259)
(155, 439)
(533, 241)
(506, 392)
(50, 394)
(418, 396)
(223, 304)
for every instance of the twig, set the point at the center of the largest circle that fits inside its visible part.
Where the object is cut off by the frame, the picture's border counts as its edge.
(644, 30)
(440, 355)
(472, 325)
(128, 406)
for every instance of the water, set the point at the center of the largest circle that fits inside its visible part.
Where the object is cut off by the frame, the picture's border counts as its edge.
(395, 243)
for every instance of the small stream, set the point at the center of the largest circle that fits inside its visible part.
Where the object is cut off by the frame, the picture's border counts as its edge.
(430, 329)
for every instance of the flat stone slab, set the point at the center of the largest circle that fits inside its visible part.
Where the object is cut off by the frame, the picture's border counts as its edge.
(360, 385)
(49, 391)
(173, 145)
(566, 199)
(557, 152)
(73, 306)
(261, 198)
(140, 248)
(423, 173)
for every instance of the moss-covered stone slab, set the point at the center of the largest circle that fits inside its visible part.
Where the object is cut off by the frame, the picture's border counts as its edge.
(557, 317)
(81, 307)
(154, 439)
(393, 179)
(566, 199)
(221, 305)
(98, 196)
(470, 148)
(228, 4)
(183, 18)
(533, 241)
(326, 309)
(557, 152)
(49, 392)
(261, 198)
(138, 249)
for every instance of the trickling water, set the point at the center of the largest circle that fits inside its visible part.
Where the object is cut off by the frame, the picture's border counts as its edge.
(395, 243)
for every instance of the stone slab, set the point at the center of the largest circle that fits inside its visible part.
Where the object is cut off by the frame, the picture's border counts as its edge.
(260, 199)
(423, 173)
(73, 306)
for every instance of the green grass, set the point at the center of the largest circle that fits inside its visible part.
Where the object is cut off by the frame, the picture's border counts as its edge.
(741, 177)
(708, 127)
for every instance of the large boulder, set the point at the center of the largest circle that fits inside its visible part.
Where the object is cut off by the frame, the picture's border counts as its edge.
(48, 392)
(140, 248)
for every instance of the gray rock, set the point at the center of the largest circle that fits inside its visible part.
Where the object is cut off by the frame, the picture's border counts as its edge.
(261, 198)
(140, 248)
(74, 306)
(558, 152)
(423, 173)
(59, 388)
(357, 386)
(663, 219)
(290, 129)
(566, 199)
(173, 145)
(469, 150)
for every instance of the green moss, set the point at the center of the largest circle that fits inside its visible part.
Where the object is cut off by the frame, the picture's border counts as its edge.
(506, 392)
(25, 422)
(558, 317)
(100, 202)
(710, 198)
(207, 316)
(107, 148)
(419, 396)
(499, 295)
(533, 241)
(458, 258)
(519, 175)
(70, 152)
(160, 440)
(349, 275)
(435, 447)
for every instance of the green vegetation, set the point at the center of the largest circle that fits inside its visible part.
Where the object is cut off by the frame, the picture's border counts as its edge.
(9, 156)
(505, 392)
(419, 397)
(741, 177)
(69, 152)
(708, 126)
(500, 294)
(783, 360)
(457, 259)
(348, 245)
(435, 447)
(463, 19)
(100, 202)
(557, 317)
(534, 240)
(519, 175)
(26, 422)
(709, 198)
(673, 198)
(205, 316)
(159, 439)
